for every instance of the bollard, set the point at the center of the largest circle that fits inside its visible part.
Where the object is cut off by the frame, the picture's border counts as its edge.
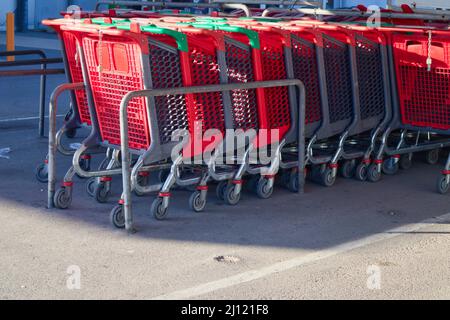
(10, 34)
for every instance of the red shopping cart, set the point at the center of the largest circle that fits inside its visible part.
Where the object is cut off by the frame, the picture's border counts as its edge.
(421, 70)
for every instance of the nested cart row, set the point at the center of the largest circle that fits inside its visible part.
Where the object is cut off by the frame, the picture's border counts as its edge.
(200, 99)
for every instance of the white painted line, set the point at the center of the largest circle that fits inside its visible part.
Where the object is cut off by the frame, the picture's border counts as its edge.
(297, 262)
(28, 118)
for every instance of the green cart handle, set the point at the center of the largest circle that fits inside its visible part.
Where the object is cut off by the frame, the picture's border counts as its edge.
(253, 36)
(115, 21)
(179, 37)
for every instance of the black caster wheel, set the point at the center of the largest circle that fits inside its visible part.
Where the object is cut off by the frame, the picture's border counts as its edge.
(317, 172)
(158, 210)
(162, 175)
(263, 190)
(293, 182)
(85, 164)
(361, 172)
(102, 192)
(141, 181)
(405, 161)
(196, 203)
(390, 166)
(327, 178)
(373, 174)
(347, 169)
(220, 190)
(229, 196)
(432, 156)
(90, 186)
(62, 198)
(442, 185)
(117, 217)
(71, 133)
(41, 173)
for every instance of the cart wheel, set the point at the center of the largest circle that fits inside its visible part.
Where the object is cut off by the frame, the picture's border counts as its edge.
(220, 189)
(163, 174)
(102, 192)
(293, 182)
(361, 172)
(196, 203)
(142, 181)
(229, 196)
(373, 174)
(158, 210)
(71, 133)
(405, 161)
(327, 178)
(117, 217)
(42, 173)
(85, 164)
(390, 166)
(263, 190)
(442, 185)
(62, 198)
(347, 169)
(90, 186)
(432, 156)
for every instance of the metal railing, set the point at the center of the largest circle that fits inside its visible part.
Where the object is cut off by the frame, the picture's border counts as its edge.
(43, 72)
(175, 5)
(441, 16)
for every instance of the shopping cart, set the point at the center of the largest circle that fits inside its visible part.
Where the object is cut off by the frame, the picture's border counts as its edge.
(116, 62)
(419, 62)
(245, 58)
(276, 63)
(201, 58)
(242, 64)
(235, 60)
(354, 52)
(79, 114)
(352, 87)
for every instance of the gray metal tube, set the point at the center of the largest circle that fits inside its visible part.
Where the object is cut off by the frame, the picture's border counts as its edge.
(276, 2)
(350, 13)
(42, 101)
(52, 136)
(240, 6)
(157, 4)
(301, 136)
(126, 161)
